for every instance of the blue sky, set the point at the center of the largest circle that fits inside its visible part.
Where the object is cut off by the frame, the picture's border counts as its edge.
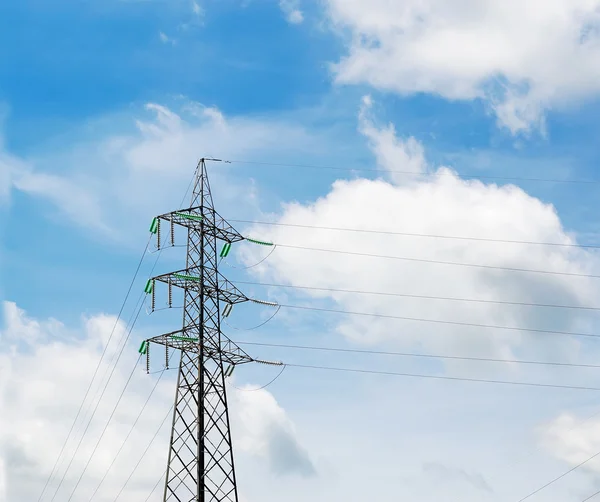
(105, 109)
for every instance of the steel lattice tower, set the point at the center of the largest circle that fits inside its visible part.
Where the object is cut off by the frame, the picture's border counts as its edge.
(200, 464)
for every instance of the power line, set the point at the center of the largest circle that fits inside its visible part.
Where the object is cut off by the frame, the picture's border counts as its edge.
(425, 297)
(412, 234)
(132, 325)
(442, 321)
(105, 428)
(91, 417)
(442, 377)
(419, 355)
(143, 455)
(129, 433)
(113, 366)
(102, 356)
(141, 303)
(437, 377)
(562, 476)
(158, 481)
(262, 386)
(412, 173)
(96, 370)
(439, 262)
(591, 496)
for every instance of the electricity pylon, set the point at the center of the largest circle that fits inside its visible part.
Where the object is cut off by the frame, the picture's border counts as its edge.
(200, 465)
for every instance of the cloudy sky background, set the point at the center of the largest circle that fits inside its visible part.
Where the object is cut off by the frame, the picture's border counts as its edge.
(408, 117)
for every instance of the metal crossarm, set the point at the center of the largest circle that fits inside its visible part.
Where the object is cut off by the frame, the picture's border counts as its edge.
(203, 217)
(188, 340)
(207, 280)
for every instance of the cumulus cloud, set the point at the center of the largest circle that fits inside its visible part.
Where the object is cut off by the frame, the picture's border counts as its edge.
(439, 204)
(265, 428)
(392, 153)
(44, 371)
(495, 50)
(574, 440)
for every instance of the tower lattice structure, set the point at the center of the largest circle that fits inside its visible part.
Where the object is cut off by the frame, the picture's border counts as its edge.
(200, 465)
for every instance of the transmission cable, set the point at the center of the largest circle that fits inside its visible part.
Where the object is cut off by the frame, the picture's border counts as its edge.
(262, 386)
(439, 262)
(418, 375)
(412, 234)
(96, 370)
(576, 425)
(104, 390)
(105, 428)
(118, 358)
(254, 264)
(256, 326)
(442, 321)
(424, 297)
(562, 476)
(144, 454)
(441, 377)
(412, 173)
(88, 419)
(130, 431)
(114, 366)
(158, 481)
(419, 355)
(591, 496)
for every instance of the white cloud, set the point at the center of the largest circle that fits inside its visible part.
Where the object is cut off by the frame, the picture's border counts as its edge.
(76, 201)
(265, 428)
(442, 204)
(44, 371)
(9, 166)
(574, 440)
(495, 50)
(291, 10)
(95, 182)
(390, 151)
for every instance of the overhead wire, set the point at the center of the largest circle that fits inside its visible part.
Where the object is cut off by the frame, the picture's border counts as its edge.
(591, 496)
(95, 371)
(118, 358)
(413, 173)
(562, 476)
(418, 355)
(433, 377)
(91, 418)
(114, 458)
(438, 262)
(258, 325)
(105, 429)
(144, 455)
(414, 234)
(416, 296)
(253, 265)
(262, 386)
(442, 377)
(578, 424)
(442, 321)
(158, 481)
